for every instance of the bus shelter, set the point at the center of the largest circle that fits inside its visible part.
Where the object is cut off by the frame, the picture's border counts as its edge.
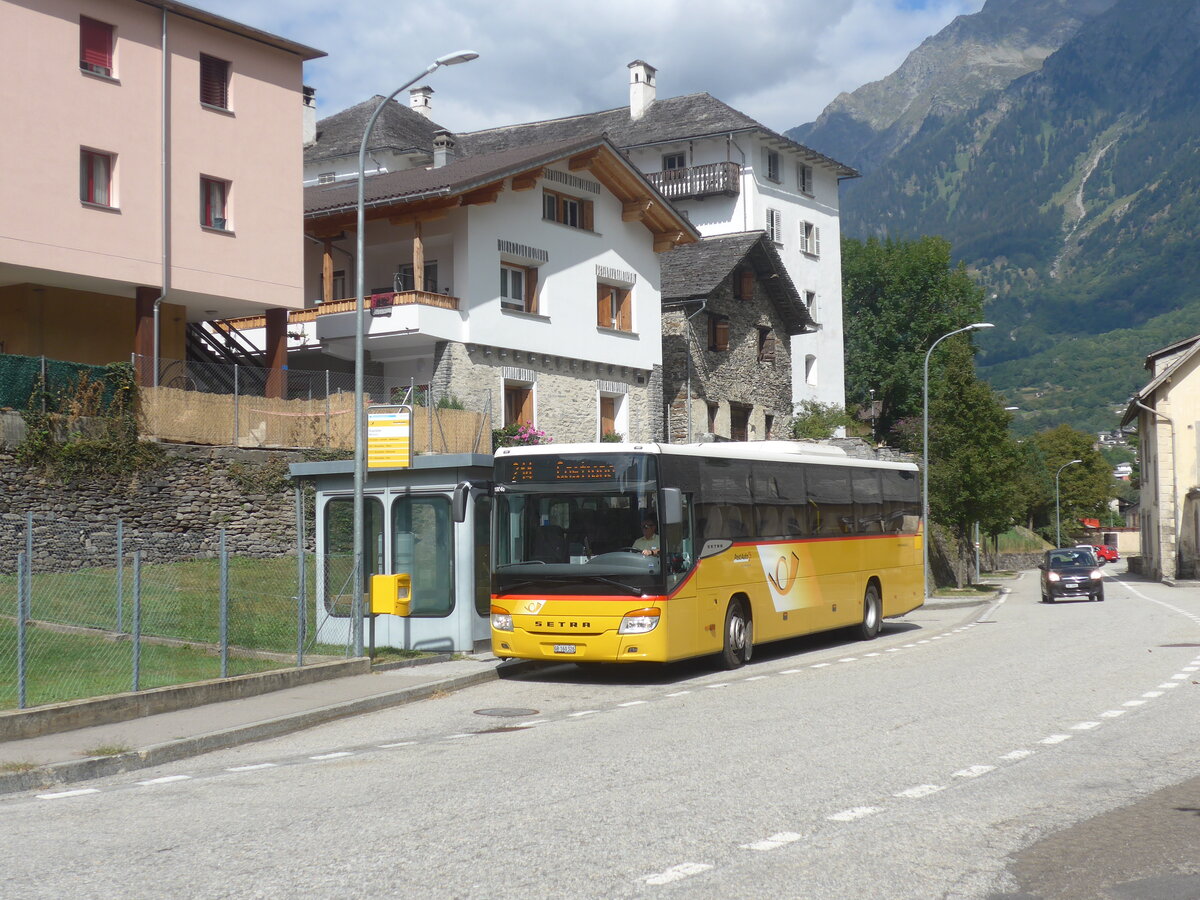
(412, 526)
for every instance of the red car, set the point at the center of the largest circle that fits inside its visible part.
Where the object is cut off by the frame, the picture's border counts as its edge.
(1106, 554)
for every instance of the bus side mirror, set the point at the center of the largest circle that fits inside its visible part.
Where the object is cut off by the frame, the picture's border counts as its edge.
(672, 507)
(391, 594)
(458, 506)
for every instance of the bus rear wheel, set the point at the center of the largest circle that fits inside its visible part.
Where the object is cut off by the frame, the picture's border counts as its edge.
(739, 636)
(872, 619)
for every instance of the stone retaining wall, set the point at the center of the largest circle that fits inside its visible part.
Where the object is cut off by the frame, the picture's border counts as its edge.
(174, 513)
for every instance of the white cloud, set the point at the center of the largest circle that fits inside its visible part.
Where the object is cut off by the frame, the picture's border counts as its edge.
(780, 61)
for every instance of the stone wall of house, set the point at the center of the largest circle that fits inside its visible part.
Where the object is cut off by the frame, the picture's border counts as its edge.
(736, 375)
(174, 513)
(566, 389)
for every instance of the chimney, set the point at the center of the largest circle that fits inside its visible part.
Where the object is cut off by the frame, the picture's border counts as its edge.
(641, 88)
(420, 99)
(308, 120)
(443, 149)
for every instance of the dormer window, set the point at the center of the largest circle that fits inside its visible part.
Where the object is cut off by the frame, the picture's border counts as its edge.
(804, 178)
(772, 159)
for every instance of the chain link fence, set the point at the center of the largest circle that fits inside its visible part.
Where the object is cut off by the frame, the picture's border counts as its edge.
(71, 629)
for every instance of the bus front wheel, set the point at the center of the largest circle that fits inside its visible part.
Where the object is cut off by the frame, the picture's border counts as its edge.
(872, 619)
(739, 636)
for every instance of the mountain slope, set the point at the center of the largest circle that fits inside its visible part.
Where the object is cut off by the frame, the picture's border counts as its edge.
(968, 59)
(1074, 194)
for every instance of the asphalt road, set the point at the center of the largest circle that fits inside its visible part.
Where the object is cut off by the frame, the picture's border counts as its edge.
(1018, 750)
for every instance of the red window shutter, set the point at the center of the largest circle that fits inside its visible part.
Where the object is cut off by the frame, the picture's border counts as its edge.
(95, 44)
(214, 81)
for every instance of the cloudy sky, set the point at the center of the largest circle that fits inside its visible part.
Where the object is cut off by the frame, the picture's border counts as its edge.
(780, 61)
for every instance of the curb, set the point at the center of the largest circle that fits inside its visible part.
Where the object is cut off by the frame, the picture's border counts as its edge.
(58, 774)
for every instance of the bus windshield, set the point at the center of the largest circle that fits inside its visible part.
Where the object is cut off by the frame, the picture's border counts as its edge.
(578, 524)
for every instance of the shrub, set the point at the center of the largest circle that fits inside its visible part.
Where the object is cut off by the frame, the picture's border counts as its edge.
(518, 435)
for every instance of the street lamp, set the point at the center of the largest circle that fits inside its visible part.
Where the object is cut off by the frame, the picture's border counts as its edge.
(451, 59)
(1057, 514)
(925, 446)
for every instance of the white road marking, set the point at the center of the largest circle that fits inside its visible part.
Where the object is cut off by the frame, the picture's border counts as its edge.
(1055, 739)
(251, 768)
(1169, 684)
(1018, 754)
(1113, 713)
(1085, 726)
(790, 671)
(819, 665)
(678, 873)
(892, 650)
(166, 779)
(756, 678)
(1150, 695)
(587, 712)
(678, 693)
(722, 684)
(636, 702)
(922, 642)
(774, 841)
(1191, 669)
(332, 755)
(1134, 703)
(59, 795)
(849, 659)
(973, 771)
(1179, 677)
(533, 722)
(921, 790)
(907, 646)
(849, 815)
(865, 655)
(459, 736)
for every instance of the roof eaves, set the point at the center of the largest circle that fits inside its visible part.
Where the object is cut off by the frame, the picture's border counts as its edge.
(234, 27)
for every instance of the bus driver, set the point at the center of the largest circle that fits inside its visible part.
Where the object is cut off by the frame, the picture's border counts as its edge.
(648, 542)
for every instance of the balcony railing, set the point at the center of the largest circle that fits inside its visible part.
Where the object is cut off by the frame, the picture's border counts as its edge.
(695, 182)
(377, 303)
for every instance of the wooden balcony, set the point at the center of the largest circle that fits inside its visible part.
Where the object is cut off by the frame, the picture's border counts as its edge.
(696, 182)
(375, 304)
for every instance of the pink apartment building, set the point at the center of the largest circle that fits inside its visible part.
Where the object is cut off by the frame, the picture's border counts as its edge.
(151, 162)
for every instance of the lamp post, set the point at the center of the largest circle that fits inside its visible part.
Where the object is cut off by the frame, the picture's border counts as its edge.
(925, 446)
(1057, 514)
(360, 452)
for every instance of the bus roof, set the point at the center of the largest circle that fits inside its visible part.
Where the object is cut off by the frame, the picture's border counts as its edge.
(775, 451)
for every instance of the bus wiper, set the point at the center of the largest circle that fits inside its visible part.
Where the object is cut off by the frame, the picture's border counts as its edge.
(532, 582)
(635, 591)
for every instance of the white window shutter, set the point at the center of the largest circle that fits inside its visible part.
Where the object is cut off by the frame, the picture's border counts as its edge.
(803, 237)
(816, 240)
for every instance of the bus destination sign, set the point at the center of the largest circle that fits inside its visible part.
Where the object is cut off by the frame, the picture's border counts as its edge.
(557, 469)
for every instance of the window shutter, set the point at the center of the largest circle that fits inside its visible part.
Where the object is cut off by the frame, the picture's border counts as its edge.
(214, 81)
(587, 223)
(604, 310)
(768, 348)
(720, 333)
(746, 288)
(531, 275)
(95, 45)
(624, 311)
(803, 237)
(816, 241)
(608, 415)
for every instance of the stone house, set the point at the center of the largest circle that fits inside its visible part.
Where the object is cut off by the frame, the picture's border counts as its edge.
(730, 314)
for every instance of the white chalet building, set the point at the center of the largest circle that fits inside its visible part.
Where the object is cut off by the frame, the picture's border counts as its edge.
(524, 280)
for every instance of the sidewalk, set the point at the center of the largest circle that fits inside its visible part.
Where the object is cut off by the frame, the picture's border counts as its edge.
(106, 749)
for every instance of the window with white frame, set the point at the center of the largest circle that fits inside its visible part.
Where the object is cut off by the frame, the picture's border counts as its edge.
(804, 178)
(772, 165)
(95, 178)
(672, 161)
(614, 307)
(775, 226)
(518, 288)
(326, 177)
(810, 239)
(214, 203)
(612, 417)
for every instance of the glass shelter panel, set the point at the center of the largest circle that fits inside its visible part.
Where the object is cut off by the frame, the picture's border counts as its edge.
(423, 547)
(339, 550)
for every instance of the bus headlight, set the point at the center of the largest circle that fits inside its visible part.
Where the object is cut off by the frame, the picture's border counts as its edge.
(501, 619)
(640, 621)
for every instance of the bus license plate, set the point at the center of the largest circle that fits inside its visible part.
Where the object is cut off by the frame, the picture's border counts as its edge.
(564, 648)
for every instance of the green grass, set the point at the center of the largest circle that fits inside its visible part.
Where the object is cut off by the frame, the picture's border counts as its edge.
(74, 666)
(971, 590)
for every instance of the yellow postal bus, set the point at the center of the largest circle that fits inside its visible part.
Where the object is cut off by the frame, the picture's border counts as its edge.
(658, 552)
